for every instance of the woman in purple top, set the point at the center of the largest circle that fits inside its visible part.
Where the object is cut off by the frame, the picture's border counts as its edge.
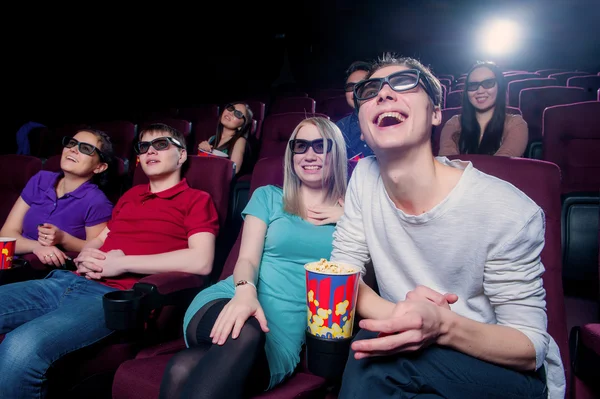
(59, 212)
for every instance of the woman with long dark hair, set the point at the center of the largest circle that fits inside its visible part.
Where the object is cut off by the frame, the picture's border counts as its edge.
(233, 129)
(484, 127)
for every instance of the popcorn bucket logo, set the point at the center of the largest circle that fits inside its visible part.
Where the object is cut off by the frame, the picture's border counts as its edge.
(7, 247)
(331, 292)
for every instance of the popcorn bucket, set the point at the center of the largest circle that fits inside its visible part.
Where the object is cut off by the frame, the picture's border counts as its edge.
(7, 247)
(331, 294)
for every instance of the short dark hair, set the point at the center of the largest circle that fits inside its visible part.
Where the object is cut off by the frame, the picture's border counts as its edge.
(357, 66)
(162, 127)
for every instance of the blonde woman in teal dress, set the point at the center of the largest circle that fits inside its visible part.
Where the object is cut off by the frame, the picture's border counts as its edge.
(244, 334)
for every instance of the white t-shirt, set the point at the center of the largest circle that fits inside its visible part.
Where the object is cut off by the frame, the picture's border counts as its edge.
(482, 242)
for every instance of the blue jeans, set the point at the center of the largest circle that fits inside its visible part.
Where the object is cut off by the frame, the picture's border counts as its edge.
(44, 320)
(436, 372)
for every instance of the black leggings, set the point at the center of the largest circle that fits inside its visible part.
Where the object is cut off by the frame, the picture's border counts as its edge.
(236, 369)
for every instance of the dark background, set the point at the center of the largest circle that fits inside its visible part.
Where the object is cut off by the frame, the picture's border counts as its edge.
(95, 59)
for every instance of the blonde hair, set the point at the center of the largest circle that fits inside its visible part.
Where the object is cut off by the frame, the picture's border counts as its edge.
(334, 181)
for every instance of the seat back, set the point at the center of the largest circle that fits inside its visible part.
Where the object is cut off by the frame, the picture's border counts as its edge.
(258, 110)
(519, 76)
(544, 73)
(513, 89)
(277, 130)
(293, 104)
(454, 99)
(211, 174)
(590, 84)
(323, 94)
(336, 107)
(562, 77)
(184, 126)
(16, 172)
(572, 141)
(540, 181)
(535, 100)
(122, 135)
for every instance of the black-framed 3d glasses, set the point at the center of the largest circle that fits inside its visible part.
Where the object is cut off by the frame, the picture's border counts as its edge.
(237, 113)
(299, 146)
(486, 84)
(398, 81)
(84, 148)
(159, 144)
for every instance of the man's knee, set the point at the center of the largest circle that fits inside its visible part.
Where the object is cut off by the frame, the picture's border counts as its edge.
(23, 352)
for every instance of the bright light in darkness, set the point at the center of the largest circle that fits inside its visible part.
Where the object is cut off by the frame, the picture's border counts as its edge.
(500, 37)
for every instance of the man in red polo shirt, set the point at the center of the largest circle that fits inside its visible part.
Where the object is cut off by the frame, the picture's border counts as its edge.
(159, 227)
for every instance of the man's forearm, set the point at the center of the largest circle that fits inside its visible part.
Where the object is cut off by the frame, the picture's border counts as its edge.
(184, 260)
(493, 343)
(369, 305)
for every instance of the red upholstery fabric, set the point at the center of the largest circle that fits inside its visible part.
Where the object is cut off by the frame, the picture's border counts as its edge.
(572, 141)
(204, 119)
(16, 172)
(514, 88)
(590, 337)
(277, 130)
(335, 107)
(540, 181)
(293, 104)
(534, 101)
(258, 110)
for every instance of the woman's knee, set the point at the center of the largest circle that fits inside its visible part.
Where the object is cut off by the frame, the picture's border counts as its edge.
(179, 368)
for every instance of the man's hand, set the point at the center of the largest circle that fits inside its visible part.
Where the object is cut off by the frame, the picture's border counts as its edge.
(88, 263)
(413, 325)
(423, 293)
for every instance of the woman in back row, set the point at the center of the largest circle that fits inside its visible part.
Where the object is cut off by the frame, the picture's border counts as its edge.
(233, 130)
(484, 127)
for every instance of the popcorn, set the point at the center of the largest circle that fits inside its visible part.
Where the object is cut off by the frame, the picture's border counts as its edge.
(324, 266)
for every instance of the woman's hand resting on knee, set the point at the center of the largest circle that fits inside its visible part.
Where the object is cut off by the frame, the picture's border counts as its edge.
(233, 316)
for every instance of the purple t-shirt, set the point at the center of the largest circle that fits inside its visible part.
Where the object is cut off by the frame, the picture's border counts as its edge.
(84, 207)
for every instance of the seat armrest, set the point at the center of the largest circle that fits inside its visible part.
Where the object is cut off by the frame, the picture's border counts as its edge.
(170, 289)
(585, 360)
(167, 283)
